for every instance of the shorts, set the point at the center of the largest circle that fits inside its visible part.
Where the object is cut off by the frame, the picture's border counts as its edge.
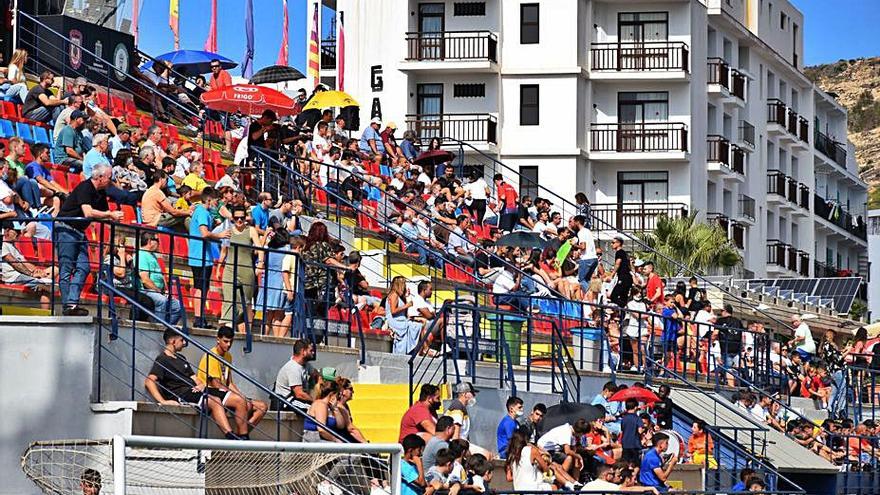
(805, 356)
(558, 456)
(197, 398)
(632, 455)
(202, 276)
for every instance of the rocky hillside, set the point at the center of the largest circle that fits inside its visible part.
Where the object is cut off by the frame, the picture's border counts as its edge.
(857, 84)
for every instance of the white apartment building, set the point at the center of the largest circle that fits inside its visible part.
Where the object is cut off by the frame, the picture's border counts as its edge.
(649, 107)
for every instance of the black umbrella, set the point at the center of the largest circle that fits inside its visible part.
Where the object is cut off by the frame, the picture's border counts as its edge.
(569, 412)
(522, 239)
(276, 74)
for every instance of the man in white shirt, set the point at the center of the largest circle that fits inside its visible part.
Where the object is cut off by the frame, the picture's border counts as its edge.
(459, 247)
(588, 259)
(543, 226)
(319, 145)
(184, 161)
(559, 443)
(803, 338)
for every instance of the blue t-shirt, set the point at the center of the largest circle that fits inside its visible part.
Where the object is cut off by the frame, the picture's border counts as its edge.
(92, 158)
(67, 138)
(201, 216)
(740, 486)
(670, 325)
(505, 430)
(34, 170)
(370, 133)
(408, 472)
(647, 477)
(260, 217)
(629, 431)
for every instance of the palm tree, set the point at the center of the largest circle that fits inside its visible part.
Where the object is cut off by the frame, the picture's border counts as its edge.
(698, 246)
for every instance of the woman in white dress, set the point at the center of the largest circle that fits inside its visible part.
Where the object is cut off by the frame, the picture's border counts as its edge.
(527, 465)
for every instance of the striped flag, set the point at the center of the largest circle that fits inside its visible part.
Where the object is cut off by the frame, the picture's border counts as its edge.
(283, 51)
(340, 55)
(211, 42)
(247, 65)
(174, 22)
(314, 58)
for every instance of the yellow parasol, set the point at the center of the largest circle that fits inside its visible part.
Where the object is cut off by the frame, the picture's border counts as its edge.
(327, 99)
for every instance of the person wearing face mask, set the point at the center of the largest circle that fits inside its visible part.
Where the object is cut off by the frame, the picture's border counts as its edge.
(459, 410)
(508, 424)
(421, 418)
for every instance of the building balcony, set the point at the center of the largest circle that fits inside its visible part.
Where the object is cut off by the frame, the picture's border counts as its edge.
(746, 136)
(639, 141)
(667, 60)
(782, 256)
(470, 127)
(783, 190)
(738, 234)
(452, 51)
(725, 82)
(823, 270)
(635, 217)
(834, 214)
(328, 54)
(725, 159)
(833, 150)
(746, 209)
(786, 123)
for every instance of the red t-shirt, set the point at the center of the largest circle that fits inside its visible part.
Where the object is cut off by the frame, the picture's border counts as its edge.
(410, 423)
(222, 80)
(654, 283)
(508, 194)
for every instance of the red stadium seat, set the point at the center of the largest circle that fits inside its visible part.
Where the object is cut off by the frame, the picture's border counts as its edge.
(60, 178)
(129, 215)
(73, 180)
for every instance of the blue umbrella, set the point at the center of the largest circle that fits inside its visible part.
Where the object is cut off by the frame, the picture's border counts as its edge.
(191, 62)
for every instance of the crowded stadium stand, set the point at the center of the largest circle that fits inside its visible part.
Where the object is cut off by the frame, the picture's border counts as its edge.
(319, 283)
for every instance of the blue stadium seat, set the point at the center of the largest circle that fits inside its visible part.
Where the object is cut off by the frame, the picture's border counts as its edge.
(25, 132)
(41, 136)
(6, 130)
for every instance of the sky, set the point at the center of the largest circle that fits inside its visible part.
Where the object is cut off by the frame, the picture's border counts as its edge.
(839, 29)
(156, 38)
(834, 29)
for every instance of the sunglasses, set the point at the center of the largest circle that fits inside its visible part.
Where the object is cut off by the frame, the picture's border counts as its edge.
(215, 66)
(239, 219)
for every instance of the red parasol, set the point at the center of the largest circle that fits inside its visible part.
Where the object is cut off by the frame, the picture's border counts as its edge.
(250, 99)
(434, 157)
(638, 393)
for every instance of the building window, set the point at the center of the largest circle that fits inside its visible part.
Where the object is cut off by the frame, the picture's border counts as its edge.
(469, 8)
(528, 23)
(783, 20)
(643, 26)
(528, 104)
(643, 107)
(642, 187)
(528, 185)
(469, 90)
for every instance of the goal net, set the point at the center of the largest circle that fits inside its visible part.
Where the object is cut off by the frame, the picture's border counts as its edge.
(136, 465)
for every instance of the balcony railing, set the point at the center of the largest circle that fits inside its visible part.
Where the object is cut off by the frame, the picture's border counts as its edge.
(452, 45)
(739, 84)
(639, 137)
(738, 159)
(718, 149)
(821, 270)
(803, 129)
(791, 191)
(776, 112)
(803, 196)
(830, 148)
(747, 133)
(644, 56)
(746, 207)
(719, 72)
(792, 124)
(777, 182)
(738, 235)
(328, 53)
(472, 127)
(837, 215)
(636, 217)
(777, 253)
(803, 264)
(720, 219)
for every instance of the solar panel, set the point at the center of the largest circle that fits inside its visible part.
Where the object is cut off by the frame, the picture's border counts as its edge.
(838, 292)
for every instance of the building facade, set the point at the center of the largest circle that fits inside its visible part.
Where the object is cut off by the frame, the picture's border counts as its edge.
(648, 107)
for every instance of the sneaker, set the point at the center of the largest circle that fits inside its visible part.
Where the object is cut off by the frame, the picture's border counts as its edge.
(75, 311)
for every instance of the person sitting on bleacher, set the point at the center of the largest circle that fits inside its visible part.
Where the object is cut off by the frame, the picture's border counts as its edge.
(27, 189)
(69, 149)
(122, 140)
(154, 138)
(88, 200)
(458, 246)
(17, 90)
(74, 103)
(184, 161)
(156, 208)
(94, 111)
(195, 178)
(126, 175)
(39, 171)
(40, 102)
(232, 179)
(152, 280)
(172, 376)
(15, 269)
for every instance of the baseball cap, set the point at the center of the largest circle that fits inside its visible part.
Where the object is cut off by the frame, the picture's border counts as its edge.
(465, 387)
(123, 128)
(391, 125)
(81, 81)
(376, 120)
(76, 114)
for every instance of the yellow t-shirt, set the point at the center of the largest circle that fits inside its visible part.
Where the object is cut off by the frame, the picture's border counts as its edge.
(181, 204)
(195, 182)
(214, 368)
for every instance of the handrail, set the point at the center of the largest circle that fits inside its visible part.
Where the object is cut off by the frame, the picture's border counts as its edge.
(189, 340)
(628, 236)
